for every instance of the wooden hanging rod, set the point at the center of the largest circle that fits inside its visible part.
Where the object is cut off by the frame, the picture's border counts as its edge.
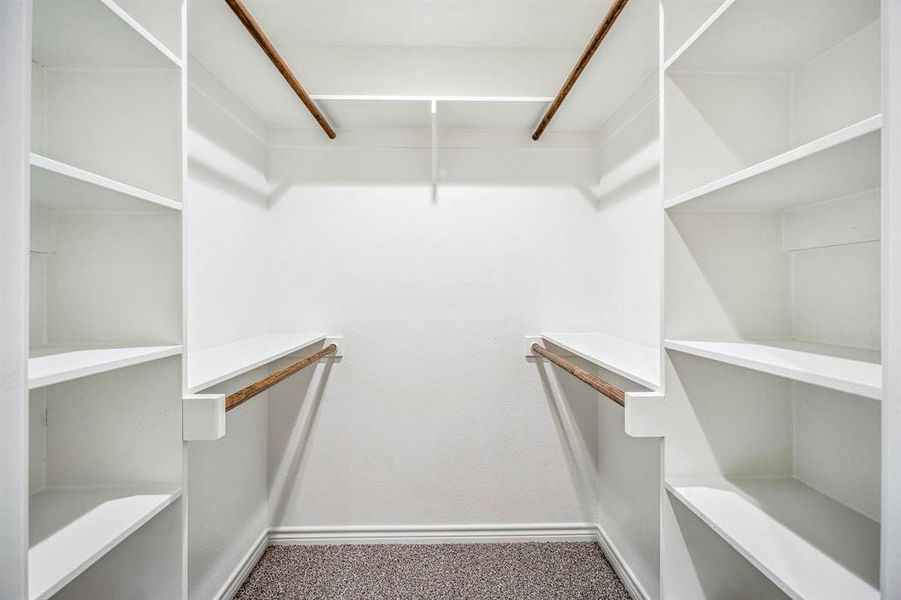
(265, 43)
(245, 394)
(603, 29)
(609, 390)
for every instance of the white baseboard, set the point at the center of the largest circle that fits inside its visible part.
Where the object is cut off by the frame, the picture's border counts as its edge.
(248, 562)
(433, 534)
(626, 575)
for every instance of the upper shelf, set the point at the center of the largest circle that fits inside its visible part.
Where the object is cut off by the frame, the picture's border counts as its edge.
(55, 364)
(94, 34)
(58, 186)
(635, 362)
(748, 35)
(844, 369)
(71, 529)
(220, 363)
(839, 164)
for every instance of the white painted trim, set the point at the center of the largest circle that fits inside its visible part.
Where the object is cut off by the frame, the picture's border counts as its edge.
(242, 571)
(433, 534)
(626, 575)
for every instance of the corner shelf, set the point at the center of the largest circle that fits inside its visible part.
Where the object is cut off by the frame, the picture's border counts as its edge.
(635, 362)
(220, 363)
(55, 364)
(809, 545)
(848, 370)
(71, 529)
(95, 34)
(59, 186)
(839, 164)
(745, 35)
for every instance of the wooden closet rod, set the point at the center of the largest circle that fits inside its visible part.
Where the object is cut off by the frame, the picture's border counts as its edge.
(245, 394)
(609, 390)
(265, 43)
(612, 14)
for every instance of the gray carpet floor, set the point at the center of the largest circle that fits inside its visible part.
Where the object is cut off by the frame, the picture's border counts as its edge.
(437, 572)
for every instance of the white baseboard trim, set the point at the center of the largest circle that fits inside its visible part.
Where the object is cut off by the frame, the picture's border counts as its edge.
(248, 562)
(433, 534)
(626, 575)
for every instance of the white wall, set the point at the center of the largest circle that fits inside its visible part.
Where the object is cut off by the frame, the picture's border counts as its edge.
(434, 416)
(227, 298)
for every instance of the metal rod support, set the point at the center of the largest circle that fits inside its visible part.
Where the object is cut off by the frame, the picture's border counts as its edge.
(245, 394)
(268, 48)
(603, 29)
(609, 390)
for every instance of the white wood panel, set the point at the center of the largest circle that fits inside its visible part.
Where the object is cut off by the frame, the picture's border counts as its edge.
(845, 369)
(809, 545)
(94, 34)
(749, 35)
(838, 164)
(219, 363)
(73, 528)
(58, 186)
(640, 364)
(54, 364)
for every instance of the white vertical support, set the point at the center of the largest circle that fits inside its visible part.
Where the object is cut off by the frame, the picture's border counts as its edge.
(15, 117)
(183, 143)
(891, 299)
(434, 149)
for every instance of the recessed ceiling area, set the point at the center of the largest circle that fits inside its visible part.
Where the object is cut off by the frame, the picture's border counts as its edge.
(509, 48)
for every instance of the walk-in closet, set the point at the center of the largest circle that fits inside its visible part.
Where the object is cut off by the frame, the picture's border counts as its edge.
(450, 299)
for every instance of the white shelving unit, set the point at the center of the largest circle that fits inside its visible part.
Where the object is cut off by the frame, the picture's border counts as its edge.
(74, 528)
(771, 117)
(810, 545)
(214, 365)
(849, 370)
(635, 362)
(104, 368)
(49, 365)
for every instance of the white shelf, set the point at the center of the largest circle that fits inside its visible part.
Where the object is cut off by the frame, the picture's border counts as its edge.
(70, 529)
(839, 164)
(54, 364)
(219, 363)
(635, 362)
(62, 187)
(845, 369)
(749, 35)
(94, 34)
(806, 543)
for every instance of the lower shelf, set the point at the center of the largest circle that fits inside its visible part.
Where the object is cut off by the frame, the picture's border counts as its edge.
(54, 364)
(805, 542)
(72, 528)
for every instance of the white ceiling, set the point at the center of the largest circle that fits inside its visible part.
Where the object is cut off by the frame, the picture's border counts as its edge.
(425, 48)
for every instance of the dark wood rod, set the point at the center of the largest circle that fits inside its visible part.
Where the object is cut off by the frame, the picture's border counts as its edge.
(603, 29)
(611, 391)
(245, 394)
(265, 43)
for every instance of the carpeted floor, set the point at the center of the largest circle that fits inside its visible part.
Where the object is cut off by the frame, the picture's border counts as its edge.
(436, 572)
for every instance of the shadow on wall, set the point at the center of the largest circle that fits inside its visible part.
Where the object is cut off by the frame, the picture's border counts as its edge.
(573, 406)
(292, 416)
(384, 167)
